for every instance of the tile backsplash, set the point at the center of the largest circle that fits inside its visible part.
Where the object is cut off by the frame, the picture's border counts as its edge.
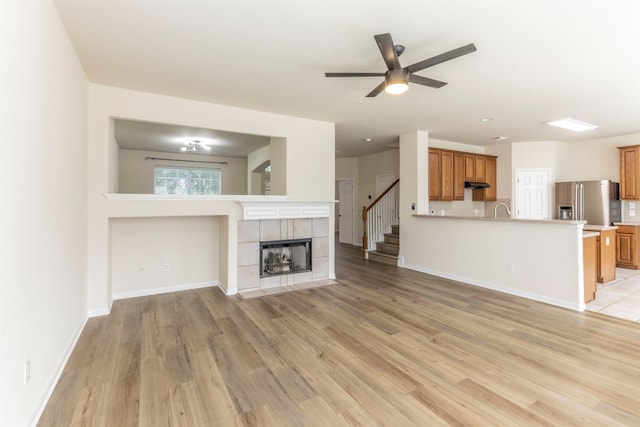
(467, 207)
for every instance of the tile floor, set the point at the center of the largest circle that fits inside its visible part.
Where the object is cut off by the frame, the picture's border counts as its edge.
(620, 297)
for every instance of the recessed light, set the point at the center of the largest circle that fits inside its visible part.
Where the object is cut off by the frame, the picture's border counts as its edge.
(500, 138)
(572, 124)
(486, 119)
(367, 140)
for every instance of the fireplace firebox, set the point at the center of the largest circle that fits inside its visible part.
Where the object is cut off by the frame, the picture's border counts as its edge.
(285, 257)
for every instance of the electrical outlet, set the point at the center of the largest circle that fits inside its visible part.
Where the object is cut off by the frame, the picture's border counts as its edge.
(509, 267)
(166, 267)
(27, 371)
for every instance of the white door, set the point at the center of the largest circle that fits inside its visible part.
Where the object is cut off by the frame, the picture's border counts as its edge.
(345, 211)
(532, 193)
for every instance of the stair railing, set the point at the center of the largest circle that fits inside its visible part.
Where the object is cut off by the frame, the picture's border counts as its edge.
(379, 216)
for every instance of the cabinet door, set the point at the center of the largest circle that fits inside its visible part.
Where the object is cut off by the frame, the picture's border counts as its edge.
(458, 176)
(589, 253)
(607, 256)
(480, 168)
(446, 175)
(629, 170)
(626, 251)
(491, 193)
(469, 167)
(434, 174)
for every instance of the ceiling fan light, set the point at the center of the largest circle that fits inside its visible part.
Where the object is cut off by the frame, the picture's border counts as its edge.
(396, 88)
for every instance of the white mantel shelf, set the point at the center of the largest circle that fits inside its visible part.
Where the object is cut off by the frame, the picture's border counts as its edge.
(183, 197)
(253, 207)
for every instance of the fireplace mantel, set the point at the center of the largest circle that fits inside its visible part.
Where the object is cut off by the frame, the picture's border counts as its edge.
(285, 210)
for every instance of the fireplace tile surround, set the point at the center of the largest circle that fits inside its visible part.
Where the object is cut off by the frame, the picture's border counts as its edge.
(252, 232)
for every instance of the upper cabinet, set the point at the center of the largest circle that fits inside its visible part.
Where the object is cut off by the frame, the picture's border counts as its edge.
(448, 170)
(629, 172)
(434, 174)
(444, 176)
(489, 194)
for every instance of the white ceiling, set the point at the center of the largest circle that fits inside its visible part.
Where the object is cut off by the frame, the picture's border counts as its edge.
(536, 61)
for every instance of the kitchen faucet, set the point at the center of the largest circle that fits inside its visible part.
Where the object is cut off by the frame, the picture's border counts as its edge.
(495, 210)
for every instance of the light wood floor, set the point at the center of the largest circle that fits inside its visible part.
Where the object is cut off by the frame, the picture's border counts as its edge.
(385, 346)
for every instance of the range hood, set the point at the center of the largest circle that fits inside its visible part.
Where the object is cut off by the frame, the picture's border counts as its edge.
(476, 184)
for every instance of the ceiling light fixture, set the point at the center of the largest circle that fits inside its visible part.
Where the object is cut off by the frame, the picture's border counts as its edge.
(572, 124)
(195, 145)
(396, 81)
(367, 140)
(500, 138)
(486, 119)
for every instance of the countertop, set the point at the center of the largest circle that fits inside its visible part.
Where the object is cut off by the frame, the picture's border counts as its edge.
(502, 219)
(628, 224)
(590, 234)
(589, 227)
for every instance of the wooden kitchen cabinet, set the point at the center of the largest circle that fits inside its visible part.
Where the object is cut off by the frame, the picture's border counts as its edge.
(627, 247)
(630, 172)
(469, 167)
(480, 168)
(434, 174)
(458, 175)
(606, 247)
(589, 265)
(491, 178)
(446, 175)
(474, 167)
(449, 169)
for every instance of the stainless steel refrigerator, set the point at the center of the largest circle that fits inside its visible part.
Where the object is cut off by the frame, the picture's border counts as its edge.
(597, 202)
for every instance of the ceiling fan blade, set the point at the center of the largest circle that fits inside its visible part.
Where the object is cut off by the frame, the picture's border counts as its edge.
(377, 90)
(443, 57)
(426, 81)
(388, 50)
(354, 74)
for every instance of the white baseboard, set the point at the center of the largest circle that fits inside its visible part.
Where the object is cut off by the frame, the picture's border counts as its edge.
(529, 295)
(57, 373)
(165, 290)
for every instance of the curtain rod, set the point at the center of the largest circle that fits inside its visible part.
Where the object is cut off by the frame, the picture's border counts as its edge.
(182, 160)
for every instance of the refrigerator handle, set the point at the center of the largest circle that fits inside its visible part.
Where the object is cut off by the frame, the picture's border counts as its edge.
(581, 199)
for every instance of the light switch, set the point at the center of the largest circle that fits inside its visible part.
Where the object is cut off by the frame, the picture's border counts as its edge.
(632, 205)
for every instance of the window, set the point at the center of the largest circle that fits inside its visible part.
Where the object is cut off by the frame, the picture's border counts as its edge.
(172, 180)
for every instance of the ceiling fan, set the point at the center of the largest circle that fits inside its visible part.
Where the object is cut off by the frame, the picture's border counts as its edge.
(397, 78)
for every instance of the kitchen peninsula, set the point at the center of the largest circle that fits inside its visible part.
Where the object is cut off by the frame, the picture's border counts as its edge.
(537, 259)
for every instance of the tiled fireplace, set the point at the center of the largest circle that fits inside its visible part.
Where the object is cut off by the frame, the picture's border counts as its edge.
(251, 269)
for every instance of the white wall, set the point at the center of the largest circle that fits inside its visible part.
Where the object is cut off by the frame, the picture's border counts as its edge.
(504, 170)
(141, 246)
(136, 173)
(598, 158)
(542, 154)
(303, 164)
(43, 205)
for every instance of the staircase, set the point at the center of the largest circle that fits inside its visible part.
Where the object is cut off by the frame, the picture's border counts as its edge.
(387, 251)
